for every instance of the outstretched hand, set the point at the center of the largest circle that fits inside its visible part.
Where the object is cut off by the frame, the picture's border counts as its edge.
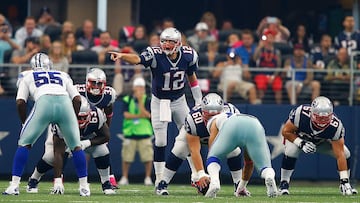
(115, 55)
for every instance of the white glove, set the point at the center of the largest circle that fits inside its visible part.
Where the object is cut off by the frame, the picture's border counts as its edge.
(345, 187)
(306, 146)
(85, 144)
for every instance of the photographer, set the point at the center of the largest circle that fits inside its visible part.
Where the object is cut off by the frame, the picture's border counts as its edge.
(231, 73)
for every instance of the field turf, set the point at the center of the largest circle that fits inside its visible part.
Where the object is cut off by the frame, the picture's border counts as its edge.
(300, 192)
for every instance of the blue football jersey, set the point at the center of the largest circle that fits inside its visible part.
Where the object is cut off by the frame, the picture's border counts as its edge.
(97, 120)
(319, 59)
(300, 117)
(100, 101)
(195, 125)
(168, 76)
(351, 41)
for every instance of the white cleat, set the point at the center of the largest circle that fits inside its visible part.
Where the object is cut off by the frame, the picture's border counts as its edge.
(84, 190)
(271, 187)
(108, 189)
(214, 187)
(13, 189)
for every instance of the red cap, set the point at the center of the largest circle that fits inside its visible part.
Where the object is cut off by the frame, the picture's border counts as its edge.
(269, 32)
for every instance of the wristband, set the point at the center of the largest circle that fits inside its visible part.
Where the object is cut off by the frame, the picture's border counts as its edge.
(343, 175)
(201, 173)
(85, 143)
(298, 141)
(194, 83)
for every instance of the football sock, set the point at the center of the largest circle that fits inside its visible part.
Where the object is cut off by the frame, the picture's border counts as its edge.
(213, 170)
(168, 175)
(80, 163)
(286, 175)
(20, 159)
(236, 175)
(36, 175)
(104, 174)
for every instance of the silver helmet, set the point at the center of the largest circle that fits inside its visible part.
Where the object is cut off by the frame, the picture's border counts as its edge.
(41, 61)
(212, 103)
(170, 40)
(84, 113)
(95, 81)
(321, 112)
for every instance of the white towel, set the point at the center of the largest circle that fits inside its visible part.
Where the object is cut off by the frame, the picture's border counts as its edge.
(165, 111)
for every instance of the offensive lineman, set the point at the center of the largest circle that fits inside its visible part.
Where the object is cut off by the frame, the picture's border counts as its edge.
(169, 65)
(315, 128)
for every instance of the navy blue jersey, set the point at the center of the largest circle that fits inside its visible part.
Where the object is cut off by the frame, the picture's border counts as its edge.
(319, 59)
(97, 120)
(351, 41)
(100, 101)
(168, 77)
(195, 125)
(300, 117)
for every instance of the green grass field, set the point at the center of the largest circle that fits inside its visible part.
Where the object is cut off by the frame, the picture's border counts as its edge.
(300, 192)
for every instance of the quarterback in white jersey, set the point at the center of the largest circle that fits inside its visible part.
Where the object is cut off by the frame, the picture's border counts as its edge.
(56, 99)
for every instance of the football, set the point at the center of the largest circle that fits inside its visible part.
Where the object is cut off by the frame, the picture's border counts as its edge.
(199, 189)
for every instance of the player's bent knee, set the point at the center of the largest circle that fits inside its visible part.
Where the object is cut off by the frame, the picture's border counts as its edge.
(234, 153)
(180, 150)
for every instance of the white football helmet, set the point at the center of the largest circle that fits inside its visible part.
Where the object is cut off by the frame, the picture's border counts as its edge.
(321, 112)
(95, 81)
(170, 40)
(84, 113)
(41, 61)
(211, 104)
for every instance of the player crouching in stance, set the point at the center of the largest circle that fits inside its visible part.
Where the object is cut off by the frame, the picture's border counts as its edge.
(229, 131)
(94, 133)
(192, 136)
(56, 102)
(315, 128)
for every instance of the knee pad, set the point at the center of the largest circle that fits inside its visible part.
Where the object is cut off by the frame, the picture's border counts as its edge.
(160, 137)
(180, 149)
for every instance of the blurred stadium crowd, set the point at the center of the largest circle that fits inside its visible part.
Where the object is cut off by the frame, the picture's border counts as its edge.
(268, 65)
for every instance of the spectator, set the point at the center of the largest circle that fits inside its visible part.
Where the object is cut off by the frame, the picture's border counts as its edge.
(201, 35)
(247, 50)
(6, 43)
(321, 55)
(140, 37)
(210, 19)
(69, 45)
(45, 19)
(338, 77)
(21, 56)
(212, 52)
(165, 23)
(57, 56)
(231, 73)
(104, 47)
(184, 40)
(234, 41)
(266, 56)
(301, 37)
(67, 27)
(137, 131)
(87, 38)
(28, 30)
(349, 37)
(274, 24)
(154, 40)
(227, 25)
(303, 80)
(45, 43)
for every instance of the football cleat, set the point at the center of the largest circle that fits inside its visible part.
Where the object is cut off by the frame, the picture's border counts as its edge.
(107, 188)
(214, 187)
(271, 189)
(32, 186)
(13, 189)
(354, 191)
(161, 188)
(284, 188)
(84, 190)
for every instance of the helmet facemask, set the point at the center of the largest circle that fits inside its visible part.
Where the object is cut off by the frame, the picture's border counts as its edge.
(96, 81)
(170, 41)
(321, 112)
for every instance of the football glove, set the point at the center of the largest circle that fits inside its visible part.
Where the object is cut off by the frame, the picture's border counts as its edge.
(306, 146)
(345, 187)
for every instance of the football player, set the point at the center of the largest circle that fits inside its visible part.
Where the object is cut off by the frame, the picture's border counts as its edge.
(94, 133)
(229, 131)
(56, 100)
(171, 66)
(189, 141)
(315, 128)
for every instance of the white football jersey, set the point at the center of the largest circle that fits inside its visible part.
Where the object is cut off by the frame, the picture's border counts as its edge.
(39, 83)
